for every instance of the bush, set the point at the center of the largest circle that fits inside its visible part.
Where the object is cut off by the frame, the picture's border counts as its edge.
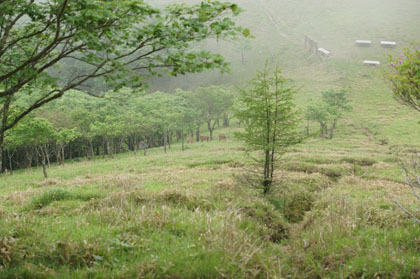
(58, 194)
(271, 220)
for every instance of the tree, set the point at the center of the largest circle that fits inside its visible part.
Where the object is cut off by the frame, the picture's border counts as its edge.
(36, 133)
(165, 110)
(213, 103)
(270, 120)
(331, 108)
(319, 113)
(11, 145)
(404, 76)
(187, 114)
(336, 104)
(123, 120)
(63, 138)
(118, 42)
(243, 45)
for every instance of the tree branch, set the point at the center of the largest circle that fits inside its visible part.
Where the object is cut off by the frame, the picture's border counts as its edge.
(408, 212)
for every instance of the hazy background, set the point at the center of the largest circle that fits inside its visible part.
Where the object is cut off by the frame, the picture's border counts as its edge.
(279, 27)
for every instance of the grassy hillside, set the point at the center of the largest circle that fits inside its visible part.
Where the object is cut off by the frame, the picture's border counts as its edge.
(191, 215)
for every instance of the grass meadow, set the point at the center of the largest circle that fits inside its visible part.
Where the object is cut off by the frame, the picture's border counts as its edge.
(191, 215)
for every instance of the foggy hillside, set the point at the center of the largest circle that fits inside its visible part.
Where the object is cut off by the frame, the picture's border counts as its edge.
(279, 28)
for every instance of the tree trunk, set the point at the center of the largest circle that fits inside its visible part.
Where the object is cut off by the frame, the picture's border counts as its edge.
(10, 160)
(182, 138)
(324, 130)
(226, 122)
(1, 159)
(120, 145)
(267, 180)
(62, 154)
(332, 131)
(92, 153)
(43, 162)
(164, 141)
(47, 154)
(307, 128)
(57, 151)
(110, 148)
(44, 168)
(211, 128)
(28, 158)
(197, 134)
(36, 157)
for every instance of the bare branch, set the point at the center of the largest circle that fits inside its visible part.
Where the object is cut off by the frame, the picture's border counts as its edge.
(409, 181)
(408, 212)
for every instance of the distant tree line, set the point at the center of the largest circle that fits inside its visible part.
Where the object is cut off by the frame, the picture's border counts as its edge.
(78, 125)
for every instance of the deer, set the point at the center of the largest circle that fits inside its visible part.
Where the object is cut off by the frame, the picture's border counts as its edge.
(204, 138)
(222, 137)
(190, 140)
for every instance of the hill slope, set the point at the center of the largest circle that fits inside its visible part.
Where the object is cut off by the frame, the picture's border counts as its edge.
(185, 215)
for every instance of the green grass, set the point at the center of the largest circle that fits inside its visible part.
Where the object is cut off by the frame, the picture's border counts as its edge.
(189, 215)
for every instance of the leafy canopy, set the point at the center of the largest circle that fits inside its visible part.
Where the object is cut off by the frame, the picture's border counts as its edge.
(404, 76)
(117, 42)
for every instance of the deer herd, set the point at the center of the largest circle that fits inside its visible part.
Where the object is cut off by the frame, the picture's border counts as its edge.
(206, 138)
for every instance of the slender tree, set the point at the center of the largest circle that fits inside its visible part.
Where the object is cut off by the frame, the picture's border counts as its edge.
(270, 120)
(331, 108)
(213, 103)
(336, 103)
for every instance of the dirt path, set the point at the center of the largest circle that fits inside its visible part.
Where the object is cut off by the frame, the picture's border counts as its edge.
(273, 21)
